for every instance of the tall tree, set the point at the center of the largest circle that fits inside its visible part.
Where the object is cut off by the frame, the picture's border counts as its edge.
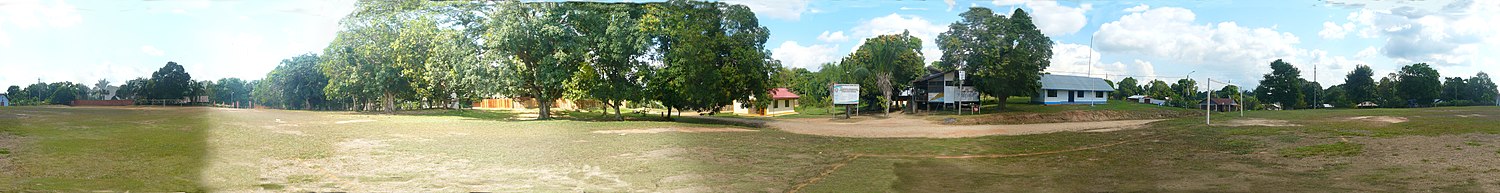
(133, 89)
(169, 82)
(1310, 89)
(1128, 87)
(1187, 93)
(1483, 89)
(612, 71)
(100, 90)
(893, 60)
(378, 53)
(1454, 90)
(1004, 56)
(711, 55)
(1160, 88)
(1385, 90)
(1282, 86)
(1359, 84)
(13, 90)
(232, 91)
(63, 93)
(1419, 84)
(536, 50)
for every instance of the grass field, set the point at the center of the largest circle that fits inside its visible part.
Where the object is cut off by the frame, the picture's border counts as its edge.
(213, 149)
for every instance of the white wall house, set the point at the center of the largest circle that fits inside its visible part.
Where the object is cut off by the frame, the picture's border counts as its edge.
(1064, 89)
(783, 102)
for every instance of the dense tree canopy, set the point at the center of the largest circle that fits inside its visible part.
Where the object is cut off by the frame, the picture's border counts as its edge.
(1282, 86)
(1004, 56)
(1419, 84)
(1359, 85)
(169, 82)
(892, 60)
(1128, 87)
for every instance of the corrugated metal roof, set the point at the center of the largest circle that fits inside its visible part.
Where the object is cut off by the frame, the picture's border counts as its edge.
(1065, 82)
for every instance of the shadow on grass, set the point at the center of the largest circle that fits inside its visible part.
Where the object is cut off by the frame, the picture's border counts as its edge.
(130, 149)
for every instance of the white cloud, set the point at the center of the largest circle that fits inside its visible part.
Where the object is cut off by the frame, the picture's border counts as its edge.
(810, 57)
(1073, 59)
(897, 23)
(913, 8)
(780, 9)
(1444, 33)
(950, 3)
(1052, 19)
(837, 36)
(150, 50)
(1170, 34)
(1009, 2)
(27, 14)
(1335, 31)
(1367, 53)
(4, 39)
(1138, 8)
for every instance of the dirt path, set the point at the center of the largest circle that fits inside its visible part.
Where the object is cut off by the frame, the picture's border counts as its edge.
(901, 126)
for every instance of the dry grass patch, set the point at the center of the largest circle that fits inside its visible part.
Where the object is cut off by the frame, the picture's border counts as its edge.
(671, 129)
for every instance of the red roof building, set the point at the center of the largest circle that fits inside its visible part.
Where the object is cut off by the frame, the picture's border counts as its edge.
(783, 93)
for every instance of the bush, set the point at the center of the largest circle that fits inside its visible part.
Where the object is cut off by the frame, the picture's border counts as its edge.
(1456, 103)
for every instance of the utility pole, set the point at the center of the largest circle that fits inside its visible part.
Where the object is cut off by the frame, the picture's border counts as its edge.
(1317, 103)
(1208, 104)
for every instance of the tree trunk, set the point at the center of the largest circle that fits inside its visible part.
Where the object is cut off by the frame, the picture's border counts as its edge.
(390, 103)
(883, 80)
(546, 109)
(1002, 96)
(616, 105)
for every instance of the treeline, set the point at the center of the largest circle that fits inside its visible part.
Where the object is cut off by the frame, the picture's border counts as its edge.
(169, 82)
(1003, 55)
(1415, 85)
(679, 55)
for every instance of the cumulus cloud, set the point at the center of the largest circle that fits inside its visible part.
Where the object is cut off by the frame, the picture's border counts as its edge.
(1447, 33)
(950, 3)
(897, 23)
(780, 9)
(1052, 19)
(837, 36)
(810, 57)
(150, 50)
(1367, 53)
(1335, 31)
(27, 14)
(1073, 59)
(1171, 34)
(1138, 8)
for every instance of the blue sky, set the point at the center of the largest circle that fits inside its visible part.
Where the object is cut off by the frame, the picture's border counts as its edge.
(83, 40)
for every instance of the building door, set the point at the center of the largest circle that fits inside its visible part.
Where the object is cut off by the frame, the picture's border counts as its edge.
(1072, 95)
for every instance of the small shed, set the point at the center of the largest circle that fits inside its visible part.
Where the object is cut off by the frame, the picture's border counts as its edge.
(4, 101)
(1064, 89)
(1221, 105)
(940, 89)
(783, 102)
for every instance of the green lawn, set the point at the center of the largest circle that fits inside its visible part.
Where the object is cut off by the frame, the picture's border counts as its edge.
(211, 149)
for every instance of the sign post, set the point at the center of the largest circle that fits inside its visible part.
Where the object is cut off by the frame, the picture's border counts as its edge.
(845, 94)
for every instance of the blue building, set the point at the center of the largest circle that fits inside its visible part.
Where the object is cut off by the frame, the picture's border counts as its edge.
(4, 102)
(1064, 89)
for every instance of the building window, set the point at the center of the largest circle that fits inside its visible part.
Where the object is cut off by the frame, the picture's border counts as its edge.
(776, 104)
(1098, 94)
(1080, 94)
(1051, 93)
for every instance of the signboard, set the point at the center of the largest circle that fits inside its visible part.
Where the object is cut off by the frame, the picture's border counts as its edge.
(953, 94)
(845, 94)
